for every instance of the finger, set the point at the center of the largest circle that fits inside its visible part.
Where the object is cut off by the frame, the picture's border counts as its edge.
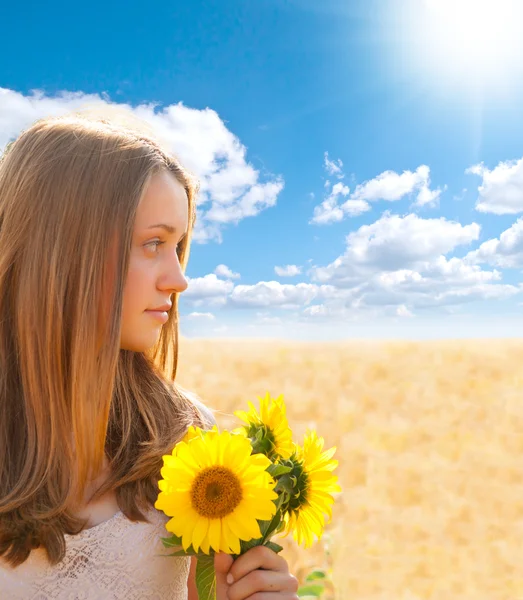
(259, 557)
(222, 564)
(262, 581)
(273, 596)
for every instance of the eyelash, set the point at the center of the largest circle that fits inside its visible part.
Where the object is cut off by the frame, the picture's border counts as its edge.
(157, 243)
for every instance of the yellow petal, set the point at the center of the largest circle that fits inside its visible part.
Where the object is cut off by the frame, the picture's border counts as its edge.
(173, 504)
(173, 525)
(189, 520)
(186, 540)
(243, 528)
(264, 511)
(215, 533)
(187, 455)
(205, 545)
(200, 531)
(230, 541)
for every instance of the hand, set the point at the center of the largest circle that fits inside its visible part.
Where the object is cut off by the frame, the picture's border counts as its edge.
(259, 574)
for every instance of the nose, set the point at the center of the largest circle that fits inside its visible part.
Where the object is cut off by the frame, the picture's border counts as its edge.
(173, 278)
(182, 285)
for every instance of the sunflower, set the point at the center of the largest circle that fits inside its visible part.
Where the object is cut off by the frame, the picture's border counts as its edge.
(269, 429)
(314, 484)
(215, 490)
(193, 432)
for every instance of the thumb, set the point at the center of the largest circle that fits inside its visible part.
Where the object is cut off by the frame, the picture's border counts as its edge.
(222, 564)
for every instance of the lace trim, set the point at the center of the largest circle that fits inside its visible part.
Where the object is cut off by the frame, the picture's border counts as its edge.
(95, 529)
(117, 559)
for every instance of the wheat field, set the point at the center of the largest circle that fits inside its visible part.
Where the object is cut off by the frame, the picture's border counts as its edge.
(429, 436)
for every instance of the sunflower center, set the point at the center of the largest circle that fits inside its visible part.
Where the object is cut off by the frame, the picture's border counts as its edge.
(216, 492)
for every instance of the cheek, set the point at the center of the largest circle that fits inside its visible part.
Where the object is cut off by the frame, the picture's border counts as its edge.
(137, 284)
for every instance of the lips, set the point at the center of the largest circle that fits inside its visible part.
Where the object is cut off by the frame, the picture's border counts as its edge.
(163, 308)
(160, 315)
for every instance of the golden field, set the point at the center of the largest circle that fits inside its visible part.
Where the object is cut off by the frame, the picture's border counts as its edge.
(430, 444)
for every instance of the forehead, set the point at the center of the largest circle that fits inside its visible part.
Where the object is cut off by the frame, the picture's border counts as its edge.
(164, 201)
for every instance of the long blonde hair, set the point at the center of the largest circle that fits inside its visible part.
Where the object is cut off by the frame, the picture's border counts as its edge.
(69, 191)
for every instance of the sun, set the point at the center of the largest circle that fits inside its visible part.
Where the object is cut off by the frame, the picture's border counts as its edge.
(470, 45)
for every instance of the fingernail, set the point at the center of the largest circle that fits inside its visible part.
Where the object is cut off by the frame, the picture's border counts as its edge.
(230, 579)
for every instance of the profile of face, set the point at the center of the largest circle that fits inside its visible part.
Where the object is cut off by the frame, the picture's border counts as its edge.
(154, 269)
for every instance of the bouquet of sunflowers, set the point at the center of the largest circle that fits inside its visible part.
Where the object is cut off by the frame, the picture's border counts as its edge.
(231, 491)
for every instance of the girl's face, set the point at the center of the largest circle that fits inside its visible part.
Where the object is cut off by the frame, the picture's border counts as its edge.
(154, 269)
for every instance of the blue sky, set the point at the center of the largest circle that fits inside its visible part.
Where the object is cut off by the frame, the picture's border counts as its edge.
(361, 163)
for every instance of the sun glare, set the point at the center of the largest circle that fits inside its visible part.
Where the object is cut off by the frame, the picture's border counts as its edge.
(476, 44)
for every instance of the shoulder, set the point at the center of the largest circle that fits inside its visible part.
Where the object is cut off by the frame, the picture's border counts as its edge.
(206, 413)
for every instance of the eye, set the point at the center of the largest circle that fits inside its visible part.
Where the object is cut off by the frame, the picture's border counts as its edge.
(156, 243)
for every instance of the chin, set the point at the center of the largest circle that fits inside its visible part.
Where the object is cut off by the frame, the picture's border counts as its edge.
(138, 345)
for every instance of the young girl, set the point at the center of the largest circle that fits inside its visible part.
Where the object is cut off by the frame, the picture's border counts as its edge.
(95, 228)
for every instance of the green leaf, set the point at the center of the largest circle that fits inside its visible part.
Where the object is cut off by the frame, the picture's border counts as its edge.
(189, 552)
(285, 484)
(244, 546)
(174, 540)
(311, 590)
(280, 501)
(315, 575)
(205, 578)
(274, 547)
(268, 530)
(277, 470)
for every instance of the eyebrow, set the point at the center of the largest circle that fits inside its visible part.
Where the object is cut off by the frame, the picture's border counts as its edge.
(168, 228)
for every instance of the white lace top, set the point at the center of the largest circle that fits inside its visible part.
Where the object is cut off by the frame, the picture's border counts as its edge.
(115, 560)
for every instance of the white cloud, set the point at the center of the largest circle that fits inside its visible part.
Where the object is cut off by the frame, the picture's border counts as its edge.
(254, 200)
(288, 271)
(317, 310)
(403, 311)
(501, 190)
(459, 197)
(274, 294)
(333, 167)
(269, 321)
(505, 252)
(208, 290)
(389, 186)
(380, 293)
(434, 284)
(394, 267)
(428, 197)
(456, 271)
(230, 188)
(399, 261)
(329, 211)
(224, 271)
(206, 232)
(393, 242)
(355, 208)
(333, 312)
(198, 315)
